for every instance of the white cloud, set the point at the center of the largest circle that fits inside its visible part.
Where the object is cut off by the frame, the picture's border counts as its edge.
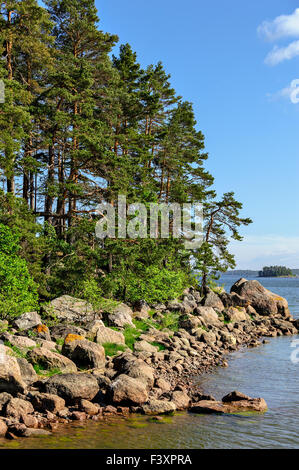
(254, 252)
(291, 92)
(282, 26)
(279, 54)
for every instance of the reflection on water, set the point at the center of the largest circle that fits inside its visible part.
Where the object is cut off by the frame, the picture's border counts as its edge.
(266, 371)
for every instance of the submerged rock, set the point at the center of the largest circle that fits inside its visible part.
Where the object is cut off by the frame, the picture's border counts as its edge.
(234, 402)
(157, 407)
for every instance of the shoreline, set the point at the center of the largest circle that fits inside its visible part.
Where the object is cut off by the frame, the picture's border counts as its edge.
(148, 380)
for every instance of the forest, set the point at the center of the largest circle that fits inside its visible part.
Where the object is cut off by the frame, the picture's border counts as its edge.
(81, 124)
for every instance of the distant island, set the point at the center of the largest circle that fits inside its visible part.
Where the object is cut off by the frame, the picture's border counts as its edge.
(252, 273)
(276, 271)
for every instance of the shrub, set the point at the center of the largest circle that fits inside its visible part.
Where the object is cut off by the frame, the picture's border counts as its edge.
(18, 291)
(156, 285)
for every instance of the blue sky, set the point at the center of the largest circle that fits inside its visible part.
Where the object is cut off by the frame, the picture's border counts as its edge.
(237, 70)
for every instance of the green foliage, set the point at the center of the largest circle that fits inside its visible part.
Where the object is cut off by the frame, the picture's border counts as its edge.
(16, 351)
(170, 321)
(46, 372)
(111, 349)
(131, 335)
(18, 291)
(78, 127)
(156, 285)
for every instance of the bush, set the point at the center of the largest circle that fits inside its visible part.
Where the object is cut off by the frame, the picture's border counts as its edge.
(18, 291)
(156, 285)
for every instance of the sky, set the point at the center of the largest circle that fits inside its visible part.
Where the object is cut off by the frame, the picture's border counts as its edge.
(237, 62)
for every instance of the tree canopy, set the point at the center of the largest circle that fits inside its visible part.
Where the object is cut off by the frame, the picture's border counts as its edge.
(80, 126)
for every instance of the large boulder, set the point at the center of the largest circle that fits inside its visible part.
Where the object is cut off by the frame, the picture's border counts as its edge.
(261, 299)
(48, 359)
(126, 390)
(157, 407)
(236, 314)
(28, 373)
(107, 335)
(3, 428)
(213, 300)
(17, 407)
(60, 332)
(233, 300)
(85, 354)
(21, 342)
(72, 387)
(69, 309)
(180, 399)
(47, 401)
(127, 364)
(190, 322)
(4, 398)
(27, 321)
(207, 337)
(228, 338)
(208, 315)
(183, 306)
(121, 316)
(92, 328)
(11, 380)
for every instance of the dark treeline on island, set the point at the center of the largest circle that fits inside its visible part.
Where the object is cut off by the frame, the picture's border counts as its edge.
(276, 271)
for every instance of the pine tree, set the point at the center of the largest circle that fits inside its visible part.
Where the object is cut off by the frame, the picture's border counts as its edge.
(221, 217)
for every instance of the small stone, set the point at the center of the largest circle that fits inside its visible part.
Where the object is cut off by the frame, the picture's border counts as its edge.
(78, 416)
(88, 407)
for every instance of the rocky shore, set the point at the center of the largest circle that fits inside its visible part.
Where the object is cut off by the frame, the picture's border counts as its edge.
(72, 362)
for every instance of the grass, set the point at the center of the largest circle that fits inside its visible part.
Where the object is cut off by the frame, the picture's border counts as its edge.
(17, 352)
(46, 373)
(170, 321)
(160, 346)
(111, 349)
(131, 335)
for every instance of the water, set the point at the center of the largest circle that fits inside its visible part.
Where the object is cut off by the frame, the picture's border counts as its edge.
(266, 371)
